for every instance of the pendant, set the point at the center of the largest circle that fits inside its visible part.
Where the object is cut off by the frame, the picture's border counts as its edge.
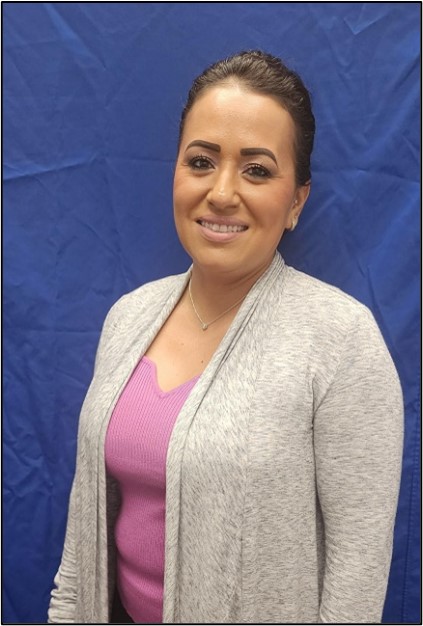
(205, 326)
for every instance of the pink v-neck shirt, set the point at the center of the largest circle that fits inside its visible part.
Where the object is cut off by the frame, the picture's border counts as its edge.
(135, 450)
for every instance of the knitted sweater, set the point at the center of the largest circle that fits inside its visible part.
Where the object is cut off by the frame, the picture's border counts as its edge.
(282, 471)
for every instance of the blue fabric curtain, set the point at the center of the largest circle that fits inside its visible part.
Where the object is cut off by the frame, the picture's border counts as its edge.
(92, 97)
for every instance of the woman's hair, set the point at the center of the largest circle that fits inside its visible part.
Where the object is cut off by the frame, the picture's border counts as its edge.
(266, 74)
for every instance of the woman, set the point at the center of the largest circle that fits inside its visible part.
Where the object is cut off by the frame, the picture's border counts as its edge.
(239, 447)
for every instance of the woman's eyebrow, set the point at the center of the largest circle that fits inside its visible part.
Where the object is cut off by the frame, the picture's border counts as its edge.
(254, 151)
(244, 151)
(204, 144)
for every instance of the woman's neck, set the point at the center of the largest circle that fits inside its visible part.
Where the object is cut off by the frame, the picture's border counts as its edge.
(213, 292)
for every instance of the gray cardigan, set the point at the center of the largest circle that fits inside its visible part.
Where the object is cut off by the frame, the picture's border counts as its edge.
(282, 471)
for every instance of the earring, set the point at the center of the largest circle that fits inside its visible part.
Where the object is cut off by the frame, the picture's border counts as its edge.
(294, 223)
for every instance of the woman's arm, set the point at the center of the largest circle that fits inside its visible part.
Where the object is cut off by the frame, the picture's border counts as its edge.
(63, 596)
(358, 434)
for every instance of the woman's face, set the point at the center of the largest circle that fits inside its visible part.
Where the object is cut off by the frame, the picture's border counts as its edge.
(234, 187)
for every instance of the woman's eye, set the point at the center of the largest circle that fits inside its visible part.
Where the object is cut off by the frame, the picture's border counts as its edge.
(200, 163)
(257, 171)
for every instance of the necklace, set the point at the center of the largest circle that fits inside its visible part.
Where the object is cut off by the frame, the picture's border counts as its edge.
(205, 325)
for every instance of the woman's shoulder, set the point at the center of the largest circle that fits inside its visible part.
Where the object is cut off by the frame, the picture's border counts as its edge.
(329, 321)
(161, 286)
(316, 299)
(150, 295)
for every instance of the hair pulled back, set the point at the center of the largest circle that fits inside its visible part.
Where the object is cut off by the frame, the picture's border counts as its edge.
(266, 74)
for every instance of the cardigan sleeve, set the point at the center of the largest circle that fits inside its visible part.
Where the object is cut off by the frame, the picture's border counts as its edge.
(64, 596)
(358, 434)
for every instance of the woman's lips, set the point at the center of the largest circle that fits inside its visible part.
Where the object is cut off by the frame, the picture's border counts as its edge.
(220, 230)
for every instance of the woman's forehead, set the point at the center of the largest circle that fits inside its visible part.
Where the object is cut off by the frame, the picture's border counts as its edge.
(232, 112)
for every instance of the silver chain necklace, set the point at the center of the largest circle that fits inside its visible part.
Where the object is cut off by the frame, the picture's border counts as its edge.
(205, 325)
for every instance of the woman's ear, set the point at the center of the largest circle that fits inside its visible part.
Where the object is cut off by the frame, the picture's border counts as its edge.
(301, 196)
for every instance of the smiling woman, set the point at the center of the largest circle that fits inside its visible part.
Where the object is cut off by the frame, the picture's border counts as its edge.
(234, 170)
(240, 444)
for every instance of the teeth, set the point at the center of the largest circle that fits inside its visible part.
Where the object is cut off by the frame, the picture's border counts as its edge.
(222, 228)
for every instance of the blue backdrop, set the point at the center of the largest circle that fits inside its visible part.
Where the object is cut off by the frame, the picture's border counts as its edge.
(92, 96)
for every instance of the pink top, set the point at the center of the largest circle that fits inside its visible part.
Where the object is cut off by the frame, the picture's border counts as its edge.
(136, 446)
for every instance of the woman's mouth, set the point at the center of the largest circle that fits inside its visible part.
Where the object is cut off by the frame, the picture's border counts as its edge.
(218, 232)
(222, 228)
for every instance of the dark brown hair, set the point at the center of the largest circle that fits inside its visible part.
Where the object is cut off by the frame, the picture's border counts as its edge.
(266, 74)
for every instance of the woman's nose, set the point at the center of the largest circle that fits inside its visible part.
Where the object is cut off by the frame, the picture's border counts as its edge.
(223, 194)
